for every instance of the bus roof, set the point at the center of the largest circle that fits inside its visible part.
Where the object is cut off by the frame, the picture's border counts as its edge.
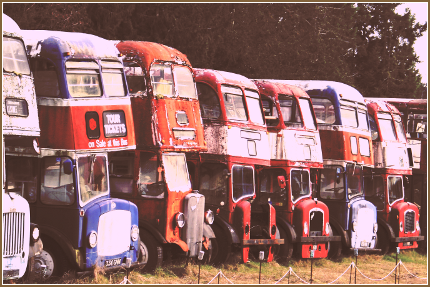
(148, 52)
(274, 87)
(328, 89)
(223, 77)
(378, 105)
(10, 27)
(79, 45)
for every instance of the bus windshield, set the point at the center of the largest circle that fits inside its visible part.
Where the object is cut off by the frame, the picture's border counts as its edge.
(184, 82)
(243, 182)
(14, 56)
(354, 177)
(395, 188)
(299, 184)
(176, 172)
(92, 172)
(332, 183)
(162, 80)
(386, 125)
(234, 103)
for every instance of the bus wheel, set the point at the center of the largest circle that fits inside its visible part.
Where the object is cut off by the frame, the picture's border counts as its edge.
(152, 250)
(383, 242)
(334, 248)
(283, 252)
(220, 247)
(47, 263)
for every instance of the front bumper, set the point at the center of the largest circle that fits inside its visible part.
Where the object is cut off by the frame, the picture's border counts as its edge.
(250, 242)
(318, 239)
(408, 239)
(123, 266)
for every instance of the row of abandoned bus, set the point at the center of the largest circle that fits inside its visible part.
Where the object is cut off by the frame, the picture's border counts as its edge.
(141, 158)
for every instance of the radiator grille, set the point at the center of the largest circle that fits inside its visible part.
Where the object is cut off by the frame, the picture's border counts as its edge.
(409, 221)
(13, 233)
(316, 223)
(194, 208)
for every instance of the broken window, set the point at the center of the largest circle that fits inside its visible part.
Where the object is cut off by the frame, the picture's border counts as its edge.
(162, 80)
(135, 79)
(209, 103)
(270, 111)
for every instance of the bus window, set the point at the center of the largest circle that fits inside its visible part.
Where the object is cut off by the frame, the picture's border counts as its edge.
(386, 125)
(348, 116)
(373, 129)
(209, 103)
(21, 177)
(14, 56)
(45, 78)
(184, 82)
(213, 183)
(121, 174)
(135, 79)
(150, 182)
(243, 182)
(270, 111)
(399, 128)
(290, 111)
(332, 187)
(254, 107)
(113, 80)
(56, 186)
(162, 80)
(324, 111)
(234, 103)
(83, 79)
(308, 117)
(395, 188)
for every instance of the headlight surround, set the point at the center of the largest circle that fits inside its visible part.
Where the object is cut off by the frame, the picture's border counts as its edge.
(180, 219)
(92, 239)
(375, 227)
(418, 226)
(305, 228)
(35, 233)
(401, 226)
(354, 226)
(134, 233)
(327, 228)
(209, 217)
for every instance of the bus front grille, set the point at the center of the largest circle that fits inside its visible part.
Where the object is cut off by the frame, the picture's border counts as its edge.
(13, 233)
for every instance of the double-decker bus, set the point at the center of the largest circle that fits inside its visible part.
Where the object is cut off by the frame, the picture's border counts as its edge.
(414, 115)
(398, 220)
(20, 237)
(342, 121)
(237, 142)
(167, 121)
(84, 112)
(296, 158)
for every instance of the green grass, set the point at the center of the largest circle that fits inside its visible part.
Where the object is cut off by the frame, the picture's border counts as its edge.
(407, 257)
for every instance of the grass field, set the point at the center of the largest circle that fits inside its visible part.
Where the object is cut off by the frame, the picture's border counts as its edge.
(323, 271)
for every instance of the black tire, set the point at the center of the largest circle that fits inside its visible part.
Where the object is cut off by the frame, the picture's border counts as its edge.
(153, 251)
(334, 248)
(383, 241)
(54, 260)
(284, 252)
(220, 247)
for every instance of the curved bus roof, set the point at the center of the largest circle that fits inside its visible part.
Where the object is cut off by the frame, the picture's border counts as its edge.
(378, 105)
(10, 27)
(223, 77)
(79, 45)
(148, 52)
(274, 87)
(328, 89)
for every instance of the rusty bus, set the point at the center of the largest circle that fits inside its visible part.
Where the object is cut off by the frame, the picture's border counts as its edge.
(346, 147)
(237, 142)
(155, 177)
(84, 112)
(398, 220)
(21, 130)
(296, 158)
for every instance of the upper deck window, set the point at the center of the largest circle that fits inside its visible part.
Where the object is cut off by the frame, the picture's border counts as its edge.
(83, 79)
(324, 111)
(254, 107)
(162, 80)
(135, 78)
(209, 102)
(386, 126)
(290, 111)
(399, 128)
(45, 78)
(234, 103)
(184, 82)
(270, 111)
(349, 118)
(308, 117)
(14, 56)
(113, 80)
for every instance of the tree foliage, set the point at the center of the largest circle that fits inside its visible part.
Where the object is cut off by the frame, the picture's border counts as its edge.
(367, 46)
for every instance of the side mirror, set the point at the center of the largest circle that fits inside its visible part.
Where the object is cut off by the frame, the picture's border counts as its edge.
(68, 166)
(281, 182)
(338, 174)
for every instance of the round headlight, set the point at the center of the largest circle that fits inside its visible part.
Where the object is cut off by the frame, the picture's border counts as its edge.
(354, 226)
(305, 228)
(35, 234)
(180, 219)
(209, 216)
(134, 233)
(92, 239)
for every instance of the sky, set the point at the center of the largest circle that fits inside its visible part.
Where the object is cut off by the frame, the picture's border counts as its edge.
(420, 9)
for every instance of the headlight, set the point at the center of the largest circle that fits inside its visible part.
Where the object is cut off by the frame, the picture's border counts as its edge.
(375, 227)
(354, 226)
(305, 228)
(209, 217)
(180, 219)
(418, 225)
(35, 234)
(92, 239)
(401, 226)
(134, 233)
(327, 228)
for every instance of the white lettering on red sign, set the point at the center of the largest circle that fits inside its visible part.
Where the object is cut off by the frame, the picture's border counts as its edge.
(91, 144)
(115, 129)
(124, 142)
(113, 119)
(101, 143)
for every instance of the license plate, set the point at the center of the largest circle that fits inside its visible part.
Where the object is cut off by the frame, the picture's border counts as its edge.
(10, 273)
(407, 243)
(314, 247)
(112, 262)
(363, 244)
